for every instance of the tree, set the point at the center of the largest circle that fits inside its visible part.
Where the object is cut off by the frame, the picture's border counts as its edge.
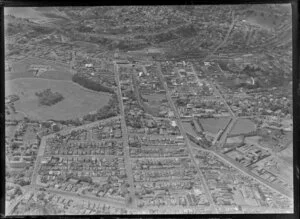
(18, 191)
(90, 84)
(48, 98)
(14, 146)
(22, 182)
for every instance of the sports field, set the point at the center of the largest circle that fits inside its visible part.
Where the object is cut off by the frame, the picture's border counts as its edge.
(213, 125)
(77, 100)
(243, 126)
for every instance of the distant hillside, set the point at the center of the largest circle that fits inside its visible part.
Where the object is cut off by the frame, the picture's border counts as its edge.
(175, 29)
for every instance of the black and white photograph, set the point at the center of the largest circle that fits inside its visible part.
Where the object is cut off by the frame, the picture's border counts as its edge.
(148, 109)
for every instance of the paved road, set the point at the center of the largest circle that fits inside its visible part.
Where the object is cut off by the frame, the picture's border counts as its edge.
(103, 200)
(38, 160)
(85, 156)
(205, 186)
(125, 140)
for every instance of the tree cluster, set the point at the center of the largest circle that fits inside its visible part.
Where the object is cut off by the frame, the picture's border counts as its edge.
(110, 110)
(90, 84)
(49, 98)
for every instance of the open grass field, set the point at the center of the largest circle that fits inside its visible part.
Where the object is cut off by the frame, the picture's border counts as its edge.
(213, 125)
(24, 12)
(77, 101)
(243, 126)
(234, 140)
(21, 70)
(54, 75)
(287, 154)
(15, 116)
(189, 128)
(57, 75)
(15, 75)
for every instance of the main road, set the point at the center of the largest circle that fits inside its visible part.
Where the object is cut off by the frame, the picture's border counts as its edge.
(101, 200)
(125, 140)
(246, 171)
(205, 186)
(231, 123)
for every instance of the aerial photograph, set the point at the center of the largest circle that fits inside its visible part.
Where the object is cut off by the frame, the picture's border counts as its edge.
(148, 110)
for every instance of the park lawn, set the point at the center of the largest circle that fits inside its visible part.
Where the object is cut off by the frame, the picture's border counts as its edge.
(15, 75)
(76, 103)
(213, 125)
(243, 126)
(24, 64)
(21, 69)
(57, 75)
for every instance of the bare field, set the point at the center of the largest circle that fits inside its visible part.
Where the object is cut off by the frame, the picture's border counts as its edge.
(77, 101)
